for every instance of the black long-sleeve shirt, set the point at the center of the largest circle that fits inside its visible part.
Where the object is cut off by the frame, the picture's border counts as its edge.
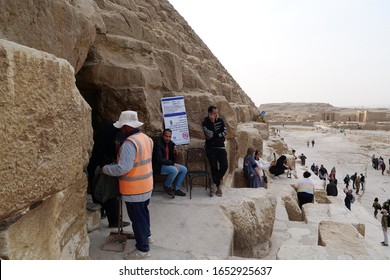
(214, 132)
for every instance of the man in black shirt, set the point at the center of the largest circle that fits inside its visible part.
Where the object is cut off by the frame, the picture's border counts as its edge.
(215, 131)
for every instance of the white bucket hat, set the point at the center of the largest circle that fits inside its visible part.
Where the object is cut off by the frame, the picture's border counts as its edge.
(129, 118)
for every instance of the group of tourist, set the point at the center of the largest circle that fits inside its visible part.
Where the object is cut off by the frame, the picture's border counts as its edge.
(379, 163)
(358, 181)
(254, 165)
(122, 150)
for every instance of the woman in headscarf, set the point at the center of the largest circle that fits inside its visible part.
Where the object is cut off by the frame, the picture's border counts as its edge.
(280, 166)
(251, 170)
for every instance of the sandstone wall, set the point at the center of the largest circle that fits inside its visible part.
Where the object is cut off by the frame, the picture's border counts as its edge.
(127, 55)
(44, 146)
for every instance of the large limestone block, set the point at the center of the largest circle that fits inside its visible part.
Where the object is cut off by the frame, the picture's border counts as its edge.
(252, 212)
(46, 127)
(199, 229)
(343, 238)
(239, 179)
(66, 29)
(249, 136)
(45, 147)
(315, 213)
(292, 207)
(53, 230)
(278, 145)
(245, 113)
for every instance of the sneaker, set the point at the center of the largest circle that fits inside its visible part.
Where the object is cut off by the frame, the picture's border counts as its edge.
(150, 240)
(136, 255)
(180, 193)
(219, 192)
(124, 224)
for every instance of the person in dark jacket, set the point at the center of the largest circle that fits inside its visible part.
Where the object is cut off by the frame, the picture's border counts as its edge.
(164, 153)
(362, 181)
(348, 198)
(106, 140)
(303, 159)
(280, 166)
(214, 130)
(331, 188)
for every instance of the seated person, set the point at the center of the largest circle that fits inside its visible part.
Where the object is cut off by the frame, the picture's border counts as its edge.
(164, 152)
(305, 189)
(261, 163)
(251, 170)
(280, 166)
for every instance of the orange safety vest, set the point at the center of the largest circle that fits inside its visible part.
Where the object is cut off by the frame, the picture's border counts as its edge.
(139, 179)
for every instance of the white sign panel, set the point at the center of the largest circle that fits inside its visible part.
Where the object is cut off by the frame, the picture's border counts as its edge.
(175, 118)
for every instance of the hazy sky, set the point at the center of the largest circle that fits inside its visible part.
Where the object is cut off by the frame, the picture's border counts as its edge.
(333, 51)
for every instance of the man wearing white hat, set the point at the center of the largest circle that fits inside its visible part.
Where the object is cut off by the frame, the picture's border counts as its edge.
(134, 169)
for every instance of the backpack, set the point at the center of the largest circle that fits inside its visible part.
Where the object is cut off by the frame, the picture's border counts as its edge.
(352, 199)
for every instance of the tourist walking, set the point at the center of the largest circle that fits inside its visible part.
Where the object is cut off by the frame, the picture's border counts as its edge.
(353, 179)
(362, 181)
(312, 143)
(383, 168)
(349, 198)
(331, 188)
(332, 174)
(322, 173)
(384, 223)
(346, 180)
(303, 159)
(376, 206)
(357, 184)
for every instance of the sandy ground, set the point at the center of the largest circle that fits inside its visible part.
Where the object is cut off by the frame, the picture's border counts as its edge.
(348, 153)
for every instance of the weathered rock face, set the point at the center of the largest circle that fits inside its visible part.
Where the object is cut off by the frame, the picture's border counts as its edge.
(45, 142)
(253, 220)
(63, 28)
(349, 243)
(127, 55)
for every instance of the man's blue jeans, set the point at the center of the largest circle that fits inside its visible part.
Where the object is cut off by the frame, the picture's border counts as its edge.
(173, 173)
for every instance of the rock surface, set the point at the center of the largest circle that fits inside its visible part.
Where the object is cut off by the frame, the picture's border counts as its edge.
(45, 145)
(122, 55)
